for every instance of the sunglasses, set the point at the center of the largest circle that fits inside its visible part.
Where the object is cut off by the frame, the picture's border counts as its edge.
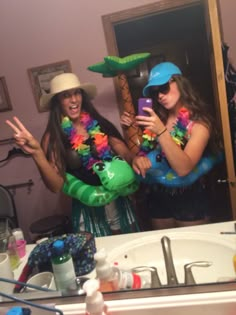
(163, 89)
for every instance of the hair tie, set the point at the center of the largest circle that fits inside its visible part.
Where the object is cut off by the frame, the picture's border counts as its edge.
(164, 130)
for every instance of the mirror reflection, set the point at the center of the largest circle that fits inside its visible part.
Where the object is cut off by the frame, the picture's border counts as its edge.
(173, 43)
(175, 258)
(121, 214)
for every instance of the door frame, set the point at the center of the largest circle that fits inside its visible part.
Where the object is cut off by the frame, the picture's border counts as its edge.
(216, 59)
(217, 66)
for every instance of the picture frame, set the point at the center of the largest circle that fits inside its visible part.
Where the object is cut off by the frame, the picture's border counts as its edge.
(41, 76)
(5, 102)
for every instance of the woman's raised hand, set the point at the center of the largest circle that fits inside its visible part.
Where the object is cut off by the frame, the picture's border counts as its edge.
(151, 122)
(23, 137)
(126, 120)
(141, 165)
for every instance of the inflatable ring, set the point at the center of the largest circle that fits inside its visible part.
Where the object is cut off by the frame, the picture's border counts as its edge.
(161, 173)
(87, 194)
(117, 178)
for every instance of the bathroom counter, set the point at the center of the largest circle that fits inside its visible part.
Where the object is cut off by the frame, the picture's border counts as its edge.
(180, 301)
(111, 242)
(218, 299)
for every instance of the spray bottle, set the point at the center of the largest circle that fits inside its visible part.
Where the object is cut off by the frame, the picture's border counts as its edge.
(94, 299)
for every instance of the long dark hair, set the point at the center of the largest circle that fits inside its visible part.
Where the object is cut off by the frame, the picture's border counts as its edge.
(199, 110)
(58, 142)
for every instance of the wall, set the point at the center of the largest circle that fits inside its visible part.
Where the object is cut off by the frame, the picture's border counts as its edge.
(226, 11)
(35, 33)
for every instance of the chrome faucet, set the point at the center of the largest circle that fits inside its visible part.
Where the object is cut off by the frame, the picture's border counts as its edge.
(172, 279)
(170, 268)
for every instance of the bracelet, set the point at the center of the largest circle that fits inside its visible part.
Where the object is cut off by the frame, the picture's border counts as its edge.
(164, 130)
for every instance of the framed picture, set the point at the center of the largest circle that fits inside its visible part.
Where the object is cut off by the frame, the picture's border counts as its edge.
(5, 102)
(42, 75)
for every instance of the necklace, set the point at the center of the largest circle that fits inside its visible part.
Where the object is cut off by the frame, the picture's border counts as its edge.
(78, 142)
(178, 133)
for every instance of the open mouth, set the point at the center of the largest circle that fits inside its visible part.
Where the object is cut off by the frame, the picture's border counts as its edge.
(74, 107)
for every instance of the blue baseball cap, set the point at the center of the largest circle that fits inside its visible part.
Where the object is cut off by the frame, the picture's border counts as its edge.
(161, 74)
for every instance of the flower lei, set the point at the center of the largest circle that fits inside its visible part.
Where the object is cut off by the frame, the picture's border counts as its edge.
(100, 140)
(178, 133)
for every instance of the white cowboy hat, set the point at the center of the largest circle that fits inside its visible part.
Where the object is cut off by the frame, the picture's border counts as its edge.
(63, 82)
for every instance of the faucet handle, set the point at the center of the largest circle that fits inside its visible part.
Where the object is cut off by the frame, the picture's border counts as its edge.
(188, 275)
(155, 280)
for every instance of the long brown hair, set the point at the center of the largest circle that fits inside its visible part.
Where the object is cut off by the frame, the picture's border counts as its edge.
(199, 110)
(58, 142)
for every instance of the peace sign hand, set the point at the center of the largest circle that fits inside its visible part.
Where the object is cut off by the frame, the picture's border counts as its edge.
(23, 137)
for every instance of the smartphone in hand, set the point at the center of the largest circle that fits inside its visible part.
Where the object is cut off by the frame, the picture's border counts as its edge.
(144, 102)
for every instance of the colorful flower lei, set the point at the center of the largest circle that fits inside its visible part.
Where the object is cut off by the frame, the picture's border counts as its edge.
(178, 133)
(100, 140)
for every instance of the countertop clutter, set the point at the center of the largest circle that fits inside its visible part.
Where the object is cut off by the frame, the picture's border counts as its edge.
(113, 243)
(215, 301)
(220, 300)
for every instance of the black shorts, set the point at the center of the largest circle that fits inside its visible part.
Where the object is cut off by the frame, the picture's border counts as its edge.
(183, 204)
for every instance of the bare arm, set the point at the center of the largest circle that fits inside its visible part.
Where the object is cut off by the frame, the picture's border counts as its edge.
(25, 140)
(139, 164)
(120, 148)
(182, 161)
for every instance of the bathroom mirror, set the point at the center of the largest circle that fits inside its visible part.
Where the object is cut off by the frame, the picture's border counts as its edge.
(199, 258)
(115, 26)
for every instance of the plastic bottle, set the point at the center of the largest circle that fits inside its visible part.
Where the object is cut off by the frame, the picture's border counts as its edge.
(18, 233)
(8, 243)
(113, 278)
(132, 280)
(63, 267)
(107, 274)
(12, 252)
(94, 299)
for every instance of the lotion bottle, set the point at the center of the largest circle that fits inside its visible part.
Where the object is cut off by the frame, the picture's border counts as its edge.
(94, 299)
(131, 280)
(107, 274)
(112, 278)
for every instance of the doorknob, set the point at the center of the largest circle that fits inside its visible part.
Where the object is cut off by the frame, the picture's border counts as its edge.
(225, 181)
(222, 181)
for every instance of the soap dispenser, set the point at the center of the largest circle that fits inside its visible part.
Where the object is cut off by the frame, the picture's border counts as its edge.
(106, 273)
(94, 299)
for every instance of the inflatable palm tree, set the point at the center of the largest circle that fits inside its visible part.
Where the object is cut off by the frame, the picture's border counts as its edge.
(113, 66)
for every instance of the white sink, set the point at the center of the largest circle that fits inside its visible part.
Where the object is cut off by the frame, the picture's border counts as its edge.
(203, 243)
(186, 247)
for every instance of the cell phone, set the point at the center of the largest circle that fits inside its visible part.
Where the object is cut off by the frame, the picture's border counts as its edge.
(144, 102)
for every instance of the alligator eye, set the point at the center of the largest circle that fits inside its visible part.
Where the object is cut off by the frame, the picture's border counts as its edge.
(118, 158)
(100, 166)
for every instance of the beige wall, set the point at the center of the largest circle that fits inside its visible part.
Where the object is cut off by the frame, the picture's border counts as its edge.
(35, 33)
(227, 11)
